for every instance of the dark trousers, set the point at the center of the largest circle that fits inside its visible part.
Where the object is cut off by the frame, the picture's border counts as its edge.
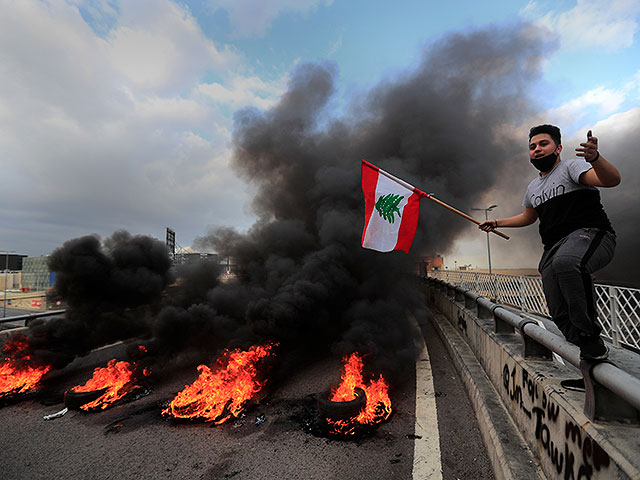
(566, 270)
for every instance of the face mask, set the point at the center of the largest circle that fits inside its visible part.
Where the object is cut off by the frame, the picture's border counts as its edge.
(544, 164)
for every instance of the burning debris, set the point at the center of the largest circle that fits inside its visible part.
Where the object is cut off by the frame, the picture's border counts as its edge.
(222, 392)
(18, 373)
(366, 404)
(105, 387)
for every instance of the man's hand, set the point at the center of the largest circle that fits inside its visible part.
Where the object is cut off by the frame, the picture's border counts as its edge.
(589, 149)
(488, 226)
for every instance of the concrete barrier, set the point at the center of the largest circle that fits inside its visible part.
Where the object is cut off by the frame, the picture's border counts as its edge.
(5, 334)
(551, 419)
(36, 301)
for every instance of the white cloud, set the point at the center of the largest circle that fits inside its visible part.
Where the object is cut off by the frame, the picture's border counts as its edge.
(590, 23)
(158, 109)
(253, 18)
(606, 101)
(107, 130)
(158, 44)
(244, 91)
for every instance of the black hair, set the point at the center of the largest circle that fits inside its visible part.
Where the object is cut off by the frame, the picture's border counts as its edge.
(552, 130)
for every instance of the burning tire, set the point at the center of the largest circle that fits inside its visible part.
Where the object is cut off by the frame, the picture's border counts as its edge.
(341, 410)
(74, 400)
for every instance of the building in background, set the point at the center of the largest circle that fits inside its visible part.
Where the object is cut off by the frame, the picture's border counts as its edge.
(11, 262)
(36, 275)
(187, 257)
(11, 281)
(434, 262)
(430, 263)
(228, 265)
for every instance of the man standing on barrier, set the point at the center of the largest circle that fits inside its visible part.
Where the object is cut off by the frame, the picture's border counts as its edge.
(576, 233)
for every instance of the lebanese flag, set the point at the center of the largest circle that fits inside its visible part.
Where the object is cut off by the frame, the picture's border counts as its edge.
(391, 208)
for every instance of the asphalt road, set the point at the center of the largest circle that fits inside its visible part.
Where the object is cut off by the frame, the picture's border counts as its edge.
(274, 439)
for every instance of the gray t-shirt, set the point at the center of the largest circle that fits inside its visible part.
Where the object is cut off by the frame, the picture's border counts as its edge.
(564, 178)
(564, 204)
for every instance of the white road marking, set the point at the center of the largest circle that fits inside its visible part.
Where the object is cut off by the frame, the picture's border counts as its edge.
(426, 454)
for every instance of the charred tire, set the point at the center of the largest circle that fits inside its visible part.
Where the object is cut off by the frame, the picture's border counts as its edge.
(341, 410)
(74, 400)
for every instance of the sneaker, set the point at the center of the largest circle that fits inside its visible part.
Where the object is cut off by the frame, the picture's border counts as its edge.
(600, 352)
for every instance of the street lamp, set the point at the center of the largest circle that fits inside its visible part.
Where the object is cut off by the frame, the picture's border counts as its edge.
(486, 217)
(6, 279)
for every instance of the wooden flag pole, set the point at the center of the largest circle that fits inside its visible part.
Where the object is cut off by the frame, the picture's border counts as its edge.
(431, 197)
(462, 214)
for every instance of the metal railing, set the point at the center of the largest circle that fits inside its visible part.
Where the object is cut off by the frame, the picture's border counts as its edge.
(618, 308)
(612, 394)
(31, 316)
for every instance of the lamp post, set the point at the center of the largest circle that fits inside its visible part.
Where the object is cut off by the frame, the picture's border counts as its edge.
(486, 217)
(6, 280)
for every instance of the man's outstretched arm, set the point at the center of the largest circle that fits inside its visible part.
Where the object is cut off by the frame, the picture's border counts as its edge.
(521, 220)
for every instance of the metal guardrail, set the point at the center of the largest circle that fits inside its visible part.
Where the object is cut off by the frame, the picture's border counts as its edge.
(618, 308)
(29, 316)
(611, 393)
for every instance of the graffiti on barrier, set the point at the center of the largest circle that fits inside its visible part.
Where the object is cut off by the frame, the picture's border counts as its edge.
(462, 324)
(573, 454)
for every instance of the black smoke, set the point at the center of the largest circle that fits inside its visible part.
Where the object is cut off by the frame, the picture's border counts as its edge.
(112, 291)
(619, 143)
(303, 279)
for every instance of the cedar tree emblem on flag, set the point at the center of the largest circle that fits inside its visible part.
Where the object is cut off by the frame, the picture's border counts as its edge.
(391, 210)
(387, 205)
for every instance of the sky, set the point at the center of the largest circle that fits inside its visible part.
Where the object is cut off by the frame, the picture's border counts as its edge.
(120, 114)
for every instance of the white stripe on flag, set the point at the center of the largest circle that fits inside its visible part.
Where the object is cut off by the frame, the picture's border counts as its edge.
(381, 235)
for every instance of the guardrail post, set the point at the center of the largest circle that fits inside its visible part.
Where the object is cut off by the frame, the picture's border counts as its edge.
(500, 326)
(484, 313)
(459, 294)
(615, 317)
(531, 348)
(470, 302)
(523, 300)
(487, 311)
(601, 404)
(451, 293)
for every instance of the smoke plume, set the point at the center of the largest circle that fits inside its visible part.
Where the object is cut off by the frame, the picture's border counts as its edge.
(112, 291)
(618, 141)
(303, 279)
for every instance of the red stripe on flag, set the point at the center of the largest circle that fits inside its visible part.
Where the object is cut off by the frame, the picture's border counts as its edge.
(369, 184)
(409, 223)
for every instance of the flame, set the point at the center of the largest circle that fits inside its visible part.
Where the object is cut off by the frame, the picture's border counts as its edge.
(17, 375)
(378, 405)
(220, 393)
(115, 378)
